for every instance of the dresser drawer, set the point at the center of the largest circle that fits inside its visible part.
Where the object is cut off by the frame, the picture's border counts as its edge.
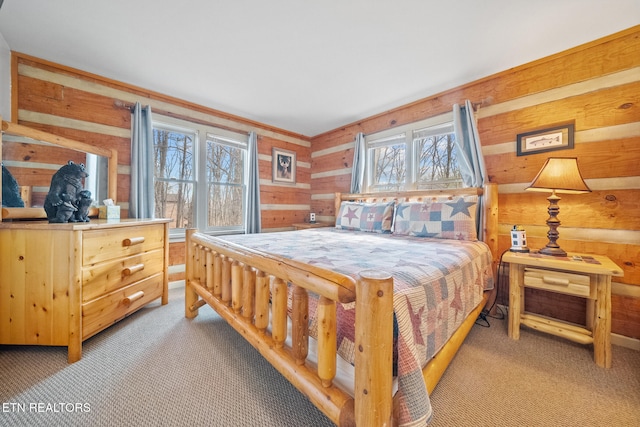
(558, 281)
(104, 277)
(107, 310)
(102, 245)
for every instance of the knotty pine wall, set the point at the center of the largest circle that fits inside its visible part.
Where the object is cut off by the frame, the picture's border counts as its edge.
(597, 87)
(84, 106)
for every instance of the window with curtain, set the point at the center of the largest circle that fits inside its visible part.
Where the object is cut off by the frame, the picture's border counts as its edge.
(200, 176)
(419, 155)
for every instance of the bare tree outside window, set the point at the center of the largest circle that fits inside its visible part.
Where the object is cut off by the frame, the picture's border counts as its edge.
(174, 180)
(421, 158)
(225, 172)
(389, 167)
(199, 176)
(437, 162)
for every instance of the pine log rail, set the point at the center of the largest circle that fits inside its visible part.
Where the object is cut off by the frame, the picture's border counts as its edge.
(247, 287)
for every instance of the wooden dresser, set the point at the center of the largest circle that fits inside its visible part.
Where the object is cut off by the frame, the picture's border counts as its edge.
(63, 283)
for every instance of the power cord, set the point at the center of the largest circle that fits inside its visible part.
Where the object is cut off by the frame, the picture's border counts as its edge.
(483, 317)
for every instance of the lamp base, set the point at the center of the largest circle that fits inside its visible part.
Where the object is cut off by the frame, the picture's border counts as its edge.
(553, 251)
(553, 222)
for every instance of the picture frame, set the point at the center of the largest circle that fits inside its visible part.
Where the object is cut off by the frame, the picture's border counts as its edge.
(544, 140)
(283, 166)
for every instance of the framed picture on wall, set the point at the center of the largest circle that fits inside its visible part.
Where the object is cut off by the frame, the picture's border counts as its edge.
(284, 165)
(550, 139)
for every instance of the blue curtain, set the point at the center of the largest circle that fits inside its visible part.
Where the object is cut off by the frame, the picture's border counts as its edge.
(253, 187)
(141, 200)
(357, 169)
(468, 144)
(469, 152)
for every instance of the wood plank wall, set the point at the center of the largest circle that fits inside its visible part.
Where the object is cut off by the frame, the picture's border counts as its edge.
(88, 108)
(595, 86)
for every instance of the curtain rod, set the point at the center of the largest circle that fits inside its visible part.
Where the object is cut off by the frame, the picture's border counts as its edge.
(483, 103)
(121, 104)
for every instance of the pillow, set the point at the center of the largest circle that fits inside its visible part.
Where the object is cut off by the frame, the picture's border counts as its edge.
(373, 217)
(442, 218)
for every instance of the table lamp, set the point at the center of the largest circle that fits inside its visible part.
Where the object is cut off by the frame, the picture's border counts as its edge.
(558, 175)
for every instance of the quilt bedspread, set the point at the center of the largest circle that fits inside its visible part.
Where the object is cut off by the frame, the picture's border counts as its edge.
(437, 282)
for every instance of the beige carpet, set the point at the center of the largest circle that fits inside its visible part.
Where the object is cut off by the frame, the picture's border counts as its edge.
(157, 368)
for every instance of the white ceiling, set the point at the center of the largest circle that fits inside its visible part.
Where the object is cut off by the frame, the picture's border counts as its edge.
(304, 66)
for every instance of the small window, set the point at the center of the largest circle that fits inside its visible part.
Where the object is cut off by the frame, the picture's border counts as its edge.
(226, 184)
(420, 155)
(174, 183)
(436, 158)
(388, 163)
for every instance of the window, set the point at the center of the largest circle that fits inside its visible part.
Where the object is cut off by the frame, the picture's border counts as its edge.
(174, 179)
(420, 155)
(225, 180)
(199, 177)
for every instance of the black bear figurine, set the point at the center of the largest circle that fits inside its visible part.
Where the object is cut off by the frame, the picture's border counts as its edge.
(61, 202)
(83, 203)
(10, 190)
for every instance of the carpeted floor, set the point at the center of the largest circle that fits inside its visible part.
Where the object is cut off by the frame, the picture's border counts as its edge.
(158, 368)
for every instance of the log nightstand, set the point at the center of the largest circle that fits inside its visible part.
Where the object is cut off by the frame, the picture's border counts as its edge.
(582, 275)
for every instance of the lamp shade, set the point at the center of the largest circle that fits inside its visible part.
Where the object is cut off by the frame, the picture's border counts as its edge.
(559, 174)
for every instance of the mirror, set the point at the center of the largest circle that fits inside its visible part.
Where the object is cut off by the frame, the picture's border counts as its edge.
(32, 157)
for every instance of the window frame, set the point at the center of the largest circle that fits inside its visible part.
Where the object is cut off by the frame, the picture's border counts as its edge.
(202, 135)
(378, 139)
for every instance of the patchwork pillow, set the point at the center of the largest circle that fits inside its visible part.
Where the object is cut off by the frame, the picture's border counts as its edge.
(442, 218)
(373, 217)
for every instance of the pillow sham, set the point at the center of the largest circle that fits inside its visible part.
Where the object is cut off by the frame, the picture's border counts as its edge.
(372, 217)
(441, 218)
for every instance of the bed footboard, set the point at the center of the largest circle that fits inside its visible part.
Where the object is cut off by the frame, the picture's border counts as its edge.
(249, 290)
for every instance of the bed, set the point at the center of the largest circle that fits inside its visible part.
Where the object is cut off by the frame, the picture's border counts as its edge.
(350, 315)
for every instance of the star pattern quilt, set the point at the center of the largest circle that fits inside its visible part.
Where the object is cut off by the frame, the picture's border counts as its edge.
(437, 282)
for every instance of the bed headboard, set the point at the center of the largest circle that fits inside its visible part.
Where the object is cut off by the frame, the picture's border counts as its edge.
(488, 203)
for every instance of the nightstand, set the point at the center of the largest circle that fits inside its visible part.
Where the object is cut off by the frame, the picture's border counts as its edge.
(305, 225)
(581, 275)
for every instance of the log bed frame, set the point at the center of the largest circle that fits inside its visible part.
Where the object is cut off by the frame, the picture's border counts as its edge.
(235, 281)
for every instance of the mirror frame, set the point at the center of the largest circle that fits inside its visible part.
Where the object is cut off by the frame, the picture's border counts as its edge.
(38, 213)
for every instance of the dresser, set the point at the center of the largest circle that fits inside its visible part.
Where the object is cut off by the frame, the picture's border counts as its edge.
(63, 283)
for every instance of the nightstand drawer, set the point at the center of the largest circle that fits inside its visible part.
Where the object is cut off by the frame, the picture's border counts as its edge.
(557, 281)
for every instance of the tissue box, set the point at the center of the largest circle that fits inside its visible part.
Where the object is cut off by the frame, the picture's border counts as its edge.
(109, 212)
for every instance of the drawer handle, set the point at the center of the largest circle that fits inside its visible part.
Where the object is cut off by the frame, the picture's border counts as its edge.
(131, 241)
(555, 281)
(128, 271)
(127, 301)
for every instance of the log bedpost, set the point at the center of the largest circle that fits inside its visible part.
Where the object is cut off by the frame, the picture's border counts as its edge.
(374, 344)
(490, 231)
(190, 296)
